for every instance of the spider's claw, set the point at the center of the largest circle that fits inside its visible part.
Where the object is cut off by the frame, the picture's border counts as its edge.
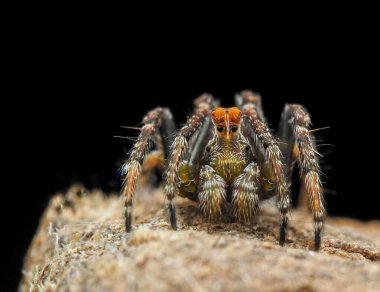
(128, 219)
(172, 215)
(283, 229)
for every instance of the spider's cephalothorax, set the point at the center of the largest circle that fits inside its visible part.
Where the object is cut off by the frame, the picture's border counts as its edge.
(228, 150)
(229, 157)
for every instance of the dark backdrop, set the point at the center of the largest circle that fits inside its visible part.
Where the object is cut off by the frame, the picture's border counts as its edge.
(73, 97)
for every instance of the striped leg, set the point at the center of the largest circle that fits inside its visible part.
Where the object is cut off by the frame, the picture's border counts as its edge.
(203, 106)
(294, 131)
(158, 121)
(259, 130)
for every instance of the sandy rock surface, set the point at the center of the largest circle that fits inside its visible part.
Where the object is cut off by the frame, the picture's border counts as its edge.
(81, 245)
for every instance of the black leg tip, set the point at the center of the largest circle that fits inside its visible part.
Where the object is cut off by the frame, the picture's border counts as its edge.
(283, 229)
(317, 240)
(128, 221)
(172, 216)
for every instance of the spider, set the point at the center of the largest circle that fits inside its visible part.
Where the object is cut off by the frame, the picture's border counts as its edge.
(229, 157)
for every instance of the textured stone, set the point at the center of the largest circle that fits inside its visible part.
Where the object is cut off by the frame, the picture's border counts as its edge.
(81, 245)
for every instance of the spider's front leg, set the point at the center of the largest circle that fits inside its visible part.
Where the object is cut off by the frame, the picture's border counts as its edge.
(294, 131)
(203, 106)
(158, 121)
(257, 128)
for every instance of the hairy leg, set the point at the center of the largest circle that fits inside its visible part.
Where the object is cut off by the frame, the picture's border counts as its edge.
(263, 138)
(198, 146)
(203, 106)
(294, 131)
(245, 194)
(212, 193)
(154, 163)
(258, 151)
(188, 170)
(248, 96)
(153, 122)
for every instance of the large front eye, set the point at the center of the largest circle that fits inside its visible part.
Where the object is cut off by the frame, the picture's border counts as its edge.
(234, 128)
(220, 128)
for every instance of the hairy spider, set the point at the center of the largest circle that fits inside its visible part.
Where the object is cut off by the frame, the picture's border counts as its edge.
(229, 157)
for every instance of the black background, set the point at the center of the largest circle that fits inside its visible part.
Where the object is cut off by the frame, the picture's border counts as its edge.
(76, 90)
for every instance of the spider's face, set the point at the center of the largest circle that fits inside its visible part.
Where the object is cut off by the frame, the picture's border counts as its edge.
(227, 122)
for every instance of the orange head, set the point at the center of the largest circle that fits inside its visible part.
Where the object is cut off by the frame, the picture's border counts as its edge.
(227, 122)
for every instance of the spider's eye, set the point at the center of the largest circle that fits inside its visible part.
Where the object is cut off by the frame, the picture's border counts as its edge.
(234, 128)
(220, 128)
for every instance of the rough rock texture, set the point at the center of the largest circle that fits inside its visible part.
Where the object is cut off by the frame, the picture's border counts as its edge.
(81, 245)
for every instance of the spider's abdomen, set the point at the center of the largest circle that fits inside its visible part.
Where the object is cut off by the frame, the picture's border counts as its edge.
(229, 160)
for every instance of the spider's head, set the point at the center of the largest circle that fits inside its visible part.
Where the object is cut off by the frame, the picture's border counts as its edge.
(227, 122)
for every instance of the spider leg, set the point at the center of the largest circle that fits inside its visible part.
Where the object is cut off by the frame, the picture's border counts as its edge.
(248, 96)
(189, 169)
(153, 165)
(197, 148)
(258, 152)
(294, 131)
(158, 121)
(245, 197)
(179, 148)
(263, 138)
(212, 193)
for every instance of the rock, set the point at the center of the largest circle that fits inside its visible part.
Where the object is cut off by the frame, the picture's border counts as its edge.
(81, 245)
